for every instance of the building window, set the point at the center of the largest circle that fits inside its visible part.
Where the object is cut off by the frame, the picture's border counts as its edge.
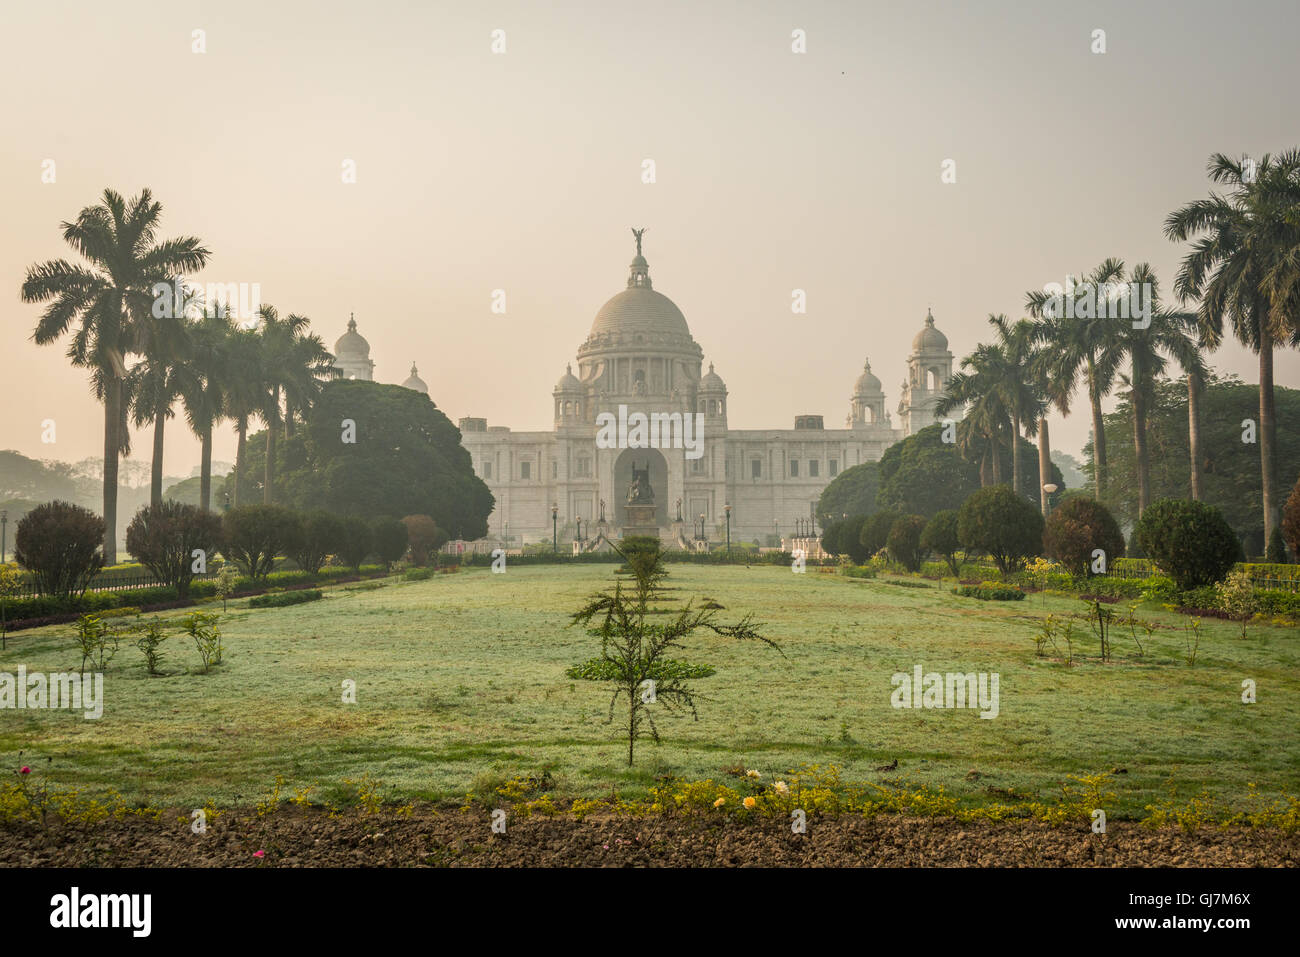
(487, 470)
(794, 468)
(697, 466)
(755, 468)
(525, 470)
(555, 468)
(583, 467)
(813, 468)
(834, 467)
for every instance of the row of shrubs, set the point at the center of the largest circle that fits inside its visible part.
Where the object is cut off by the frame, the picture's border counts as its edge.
(60, 544)
(43, 609)
(1190, 542)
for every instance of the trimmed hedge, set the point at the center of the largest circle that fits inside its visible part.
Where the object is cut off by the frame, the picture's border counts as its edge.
(989, 591)
(280, 599)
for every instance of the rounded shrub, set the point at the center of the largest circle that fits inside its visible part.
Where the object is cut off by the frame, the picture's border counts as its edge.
(61, 544)
(940, 537)
(165, 537)
(424, 537)
(1076, 529)
(1291, 521)
(253, 535)
(390, 540)
(874, 533)
(997, 522)
(1191, 542)
(356, 543)
(321, 536)
(904, 541)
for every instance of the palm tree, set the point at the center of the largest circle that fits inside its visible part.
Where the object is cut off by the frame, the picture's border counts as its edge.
(1243, 269)
(1087, 347)
(1015, 385)
(109, 296)
(293, 365)
(1165, 335)
(243, 393)
(155, 383)
(205, 383)
(976, 388)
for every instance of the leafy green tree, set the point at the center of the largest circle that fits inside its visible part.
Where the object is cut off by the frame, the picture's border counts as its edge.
(109, 297)
(904, 541)
(1231, 481)
(1291, 521)
(997, 522)
(164, 538)
(254, 535)
(940, 537)
(634, 645)
(424, 536)
(390, 540)
(60, 545)
(358, 541)
(852, 492)
(1076, 528)
(406, 459)
(874, 532)
(1191, 542)
(322, 535)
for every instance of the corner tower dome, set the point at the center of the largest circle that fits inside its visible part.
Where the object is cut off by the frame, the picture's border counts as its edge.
(867, 383)
(352, 345)
(415, 382)
(930, 339)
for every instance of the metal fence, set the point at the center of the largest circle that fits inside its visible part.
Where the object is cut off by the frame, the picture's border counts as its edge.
(115, 583)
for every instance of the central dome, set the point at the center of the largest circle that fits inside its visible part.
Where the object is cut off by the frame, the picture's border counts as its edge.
(640, 309)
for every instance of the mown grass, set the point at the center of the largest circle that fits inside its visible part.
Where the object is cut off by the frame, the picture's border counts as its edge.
(460, 684)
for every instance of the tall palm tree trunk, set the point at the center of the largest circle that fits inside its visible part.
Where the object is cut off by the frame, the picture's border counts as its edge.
(997, 459)
(1015, 453)
(241, 429)
(1194, 431)
(205, 471)
(1140, 450)
(985, 476)
(156, 466)
(1098, 444)
(272, 426)
(1044, 463)
(1267, 430)
(112, 443)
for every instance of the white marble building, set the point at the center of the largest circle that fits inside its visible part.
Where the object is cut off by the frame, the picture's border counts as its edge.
(640, 354)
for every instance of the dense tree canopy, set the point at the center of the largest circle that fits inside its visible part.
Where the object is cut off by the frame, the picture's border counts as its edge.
(923, 474)
(406, 459)
(852, 492)
(1230, 474)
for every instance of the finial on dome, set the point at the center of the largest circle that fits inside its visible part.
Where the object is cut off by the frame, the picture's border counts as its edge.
(929, 316)
(638, 233)
(640, 274)
(710, 367)
(413, 368)
(352, 322)
(866, 365)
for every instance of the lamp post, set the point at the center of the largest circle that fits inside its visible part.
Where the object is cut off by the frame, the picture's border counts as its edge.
(727, 509)
(579, 521)
(1049, 488)
(776, 531)
(4, 527)
(700, 536)
(555, 529)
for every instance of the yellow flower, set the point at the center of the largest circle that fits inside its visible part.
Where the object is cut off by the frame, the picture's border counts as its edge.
(752, 774)
(749, 803)
(719, 802)
(781, 787)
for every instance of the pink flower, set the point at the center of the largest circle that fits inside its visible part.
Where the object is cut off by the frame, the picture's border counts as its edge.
(25, 770)
(259, 853)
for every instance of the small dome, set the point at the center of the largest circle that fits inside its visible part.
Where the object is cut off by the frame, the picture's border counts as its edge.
(414, 382)
(568, 382)
(930, 339)
(867, 383)
(352, 345)
(712, 382)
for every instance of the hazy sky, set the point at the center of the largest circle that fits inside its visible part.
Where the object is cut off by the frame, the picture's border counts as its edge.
(522, 171)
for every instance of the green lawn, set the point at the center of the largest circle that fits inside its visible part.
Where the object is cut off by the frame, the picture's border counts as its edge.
(461, 680)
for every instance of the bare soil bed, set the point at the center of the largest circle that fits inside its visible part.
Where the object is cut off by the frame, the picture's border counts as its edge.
(298, 837)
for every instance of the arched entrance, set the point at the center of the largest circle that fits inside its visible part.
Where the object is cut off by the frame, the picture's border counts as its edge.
(643, 458)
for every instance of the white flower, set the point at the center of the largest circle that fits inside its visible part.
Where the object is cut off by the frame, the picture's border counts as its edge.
(752, 774)
(781, 787)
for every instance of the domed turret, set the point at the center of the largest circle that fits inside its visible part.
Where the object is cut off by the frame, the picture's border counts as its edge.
(929, 339)
(712, 382)
(352, 354)
(867, 383)
(415, 383)
(867, 404)
(568, 382)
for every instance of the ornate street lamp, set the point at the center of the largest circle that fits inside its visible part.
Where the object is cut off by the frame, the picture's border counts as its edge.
(555, 528)
(727, 509)
(4, 525)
